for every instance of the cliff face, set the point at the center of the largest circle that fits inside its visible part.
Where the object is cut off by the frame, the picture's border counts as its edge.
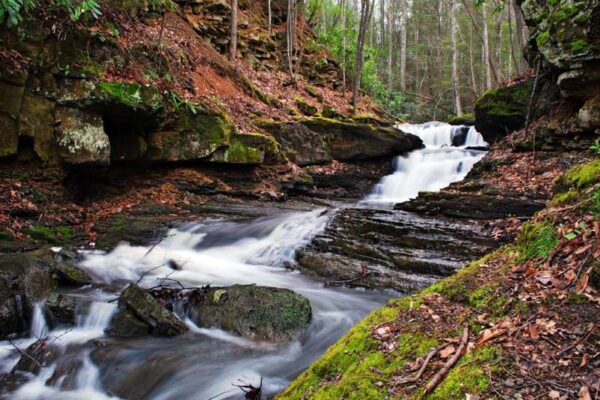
(564, 44)
(148, 81)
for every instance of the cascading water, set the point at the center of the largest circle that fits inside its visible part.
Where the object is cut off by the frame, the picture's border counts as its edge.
(204, 362)
(450, 153)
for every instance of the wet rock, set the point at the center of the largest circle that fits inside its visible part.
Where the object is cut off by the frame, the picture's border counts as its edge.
(10, 322)
(471, 206)
(126, 324)
(40, 354)
(62, 309)
(145, 308)
(254, 312)
(133, 229)
(391, 249)
(69, 274)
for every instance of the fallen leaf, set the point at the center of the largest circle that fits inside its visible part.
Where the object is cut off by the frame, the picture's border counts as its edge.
(584, 360)
(533, 332)
(570, 275)
(553, 394)
(584, 393)
(582, 282)
(447, 351)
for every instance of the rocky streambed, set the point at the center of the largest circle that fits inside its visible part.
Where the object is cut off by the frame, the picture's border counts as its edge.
(252, 293)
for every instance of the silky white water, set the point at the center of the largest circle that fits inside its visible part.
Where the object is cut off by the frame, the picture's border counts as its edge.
(433, 168)
(205, 361)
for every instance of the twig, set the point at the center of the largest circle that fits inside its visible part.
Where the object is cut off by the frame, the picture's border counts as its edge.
(24, 354)
(449, 364)
(582, 339)
(428, 358)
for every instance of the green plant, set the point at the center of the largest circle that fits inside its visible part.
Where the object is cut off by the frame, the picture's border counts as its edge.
(596, 146)
(12, 11)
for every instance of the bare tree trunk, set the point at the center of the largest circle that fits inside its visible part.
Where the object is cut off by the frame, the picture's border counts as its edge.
(365, 17)
(486, 49)
(234, 26)
(344, 45)
(522, 34)
(382, 20)
(291, 36)
(455, 79)
(390, 37)
(403, 40)
(270, 11)
(513, 56)
(474, 85)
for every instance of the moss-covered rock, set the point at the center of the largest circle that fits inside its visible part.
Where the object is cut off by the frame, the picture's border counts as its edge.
(81, 137)
(250, 148)
(255, 312)
(502, 110)
(355, 141)
(305, 107)
(463, 119)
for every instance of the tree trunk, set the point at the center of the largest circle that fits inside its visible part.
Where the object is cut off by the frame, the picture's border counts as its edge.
(365, 17)
(403, 40)
(455, 78)
(344, 45)
(522, 34)
(291, 36)
(270, 11)
(486, 49)
(390, 37)
(234, 26)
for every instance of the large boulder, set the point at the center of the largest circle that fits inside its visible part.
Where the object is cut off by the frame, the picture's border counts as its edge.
(144, 309)
(249, 148)
(354, 141)
(500, 111)
(254, 312)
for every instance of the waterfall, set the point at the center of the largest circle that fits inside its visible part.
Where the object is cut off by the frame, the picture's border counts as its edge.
(447, 157)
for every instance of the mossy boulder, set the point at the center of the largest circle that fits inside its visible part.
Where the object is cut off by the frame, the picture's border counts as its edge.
(305, 107)
(355, 141)
(254, 312)
(463, 119)
(147, 310)
(36, 121)
(500, 111)
(10, 105)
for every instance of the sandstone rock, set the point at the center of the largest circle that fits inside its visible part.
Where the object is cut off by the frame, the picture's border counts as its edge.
(589, 114)
(37, 121)
(126, 324)
(249, 148)
(81, 137)
(306, 108)
(62, 309)
(254, 312)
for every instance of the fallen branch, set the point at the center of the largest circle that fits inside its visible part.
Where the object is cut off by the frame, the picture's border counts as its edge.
(428, 358)
(581, 340)
(24, 354)
(449, 364)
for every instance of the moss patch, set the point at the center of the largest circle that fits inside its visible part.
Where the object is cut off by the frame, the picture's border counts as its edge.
(537, 240)
(57, 235)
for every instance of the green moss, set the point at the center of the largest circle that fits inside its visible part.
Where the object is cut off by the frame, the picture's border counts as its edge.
(305, 107)
(462, 119)
(125, 93)
(579, 46)
(537, 240)
(580, 177)
(238, 153)
(507, 101)
(55, 236)
(565, 198)
(543, 38)
(469, 376)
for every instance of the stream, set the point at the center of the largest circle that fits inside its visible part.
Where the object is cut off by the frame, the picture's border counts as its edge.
(204, 363)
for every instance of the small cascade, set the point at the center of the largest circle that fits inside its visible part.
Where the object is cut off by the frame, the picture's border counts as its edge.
(446, 158)
(39, 326)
